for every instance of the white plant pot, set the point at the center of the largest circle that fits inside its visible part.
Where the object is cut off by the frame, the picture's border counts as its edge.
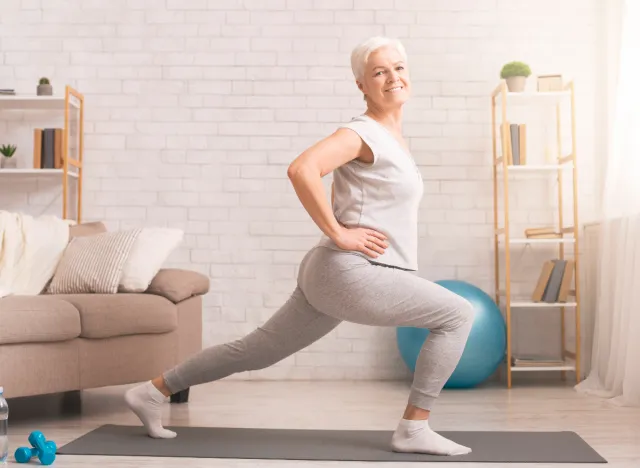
(9, 163)
(44, 90)
(515, 84)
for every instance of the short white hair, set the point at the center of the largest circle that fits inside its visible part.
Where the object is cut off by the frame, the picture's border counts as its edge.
(360, 54)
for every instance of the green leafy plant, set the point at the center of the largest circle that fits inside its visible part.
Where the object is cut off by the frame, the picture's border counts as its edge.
(515, 69)
(8, 150)
(44, 80)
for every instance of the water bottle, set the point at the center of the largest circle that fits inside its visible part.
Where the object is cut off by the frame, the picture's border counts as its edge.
(4, 428)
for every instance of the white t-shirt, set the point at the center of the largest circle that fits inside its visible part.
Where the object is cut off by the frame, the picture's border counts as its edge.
(384, 195)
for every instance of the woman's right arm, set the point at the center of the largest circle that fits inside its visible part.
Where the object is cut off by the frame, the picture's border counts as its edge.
(306, 173)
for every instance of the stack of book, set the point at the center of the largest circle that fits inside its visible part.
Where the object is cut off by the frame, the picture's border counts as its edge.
(535, 361)
(542, 233)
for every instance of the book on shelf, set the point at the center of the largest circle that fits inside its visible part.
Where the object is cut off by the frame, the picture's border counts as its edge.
(7, 92)
(542, 233)
(536, 361)
(516, 144)
(554, 282)
(47, 148)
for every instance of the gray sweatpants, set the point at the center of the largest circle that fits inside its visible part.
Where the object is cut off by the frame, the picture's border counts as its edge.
(335, 286)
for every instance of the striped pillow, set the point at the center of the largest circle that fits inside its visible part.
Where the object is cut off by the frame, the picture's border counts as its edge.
(93, 264)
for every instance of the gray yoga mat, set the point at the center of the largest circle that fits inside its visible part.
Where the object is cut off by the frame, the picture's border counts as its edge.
(338, 445)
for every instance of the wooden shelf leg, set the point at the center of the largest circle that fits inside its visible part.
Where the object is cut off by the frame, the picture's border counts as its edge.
(507, 278)
(576, 249)
(563, 345)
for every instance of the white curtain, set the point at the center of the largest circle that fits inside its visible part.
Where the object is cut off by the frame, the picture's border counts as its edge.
(615, 366)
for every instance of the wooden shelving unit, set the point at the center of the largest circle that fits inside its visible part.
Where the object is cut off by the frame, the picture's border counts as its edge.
(503, 238)
(71, 101)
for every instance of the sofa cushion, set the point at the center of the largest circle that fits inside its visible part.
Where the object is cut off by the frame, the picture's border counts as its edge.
(37, 319)
(93, 264)
(108, 315)
(86, 229)
(177, 284)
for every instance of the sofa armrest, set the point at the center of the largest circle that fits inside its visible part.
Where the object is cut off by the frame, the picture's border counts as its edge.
(177, 285)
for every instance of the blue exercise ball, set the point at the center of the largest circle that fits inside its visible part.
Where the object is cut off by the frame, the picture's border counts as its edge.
(485, 348)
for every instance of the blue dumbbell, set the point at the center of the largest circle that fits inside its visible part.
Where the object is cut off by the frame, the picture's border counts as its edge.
(41, 448)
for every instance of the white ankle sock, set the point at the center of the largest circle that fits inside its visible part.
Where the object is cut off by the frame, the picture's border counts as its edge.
(146, 402)
(417, 436)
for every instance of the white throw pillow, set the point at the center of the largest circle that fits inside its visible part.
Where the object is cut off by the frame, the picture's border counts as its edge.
(151, 249)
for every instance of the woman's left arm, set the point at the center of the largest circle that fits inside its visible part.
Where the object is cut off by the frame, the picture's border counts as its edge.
(332, 194)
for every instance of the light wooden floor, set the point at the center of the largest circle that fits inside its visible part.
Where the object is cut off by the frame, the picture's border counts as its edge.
(613, 431)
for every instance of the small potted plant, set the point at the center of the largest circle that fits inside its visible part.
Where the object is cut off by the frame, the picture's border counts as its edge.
(515, 74)
(7, 155)
(44, 87)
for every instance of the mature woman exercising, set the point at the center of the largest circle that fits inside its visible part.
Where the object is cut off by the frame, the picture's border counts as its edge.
(362, 268)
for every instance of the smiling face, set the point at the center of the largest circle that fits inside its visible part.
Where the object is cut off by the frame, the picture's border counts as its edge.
(386, 81)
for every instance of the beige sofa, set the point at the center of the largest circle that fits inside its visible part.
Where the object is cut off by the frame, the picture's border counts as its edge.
(59, 343)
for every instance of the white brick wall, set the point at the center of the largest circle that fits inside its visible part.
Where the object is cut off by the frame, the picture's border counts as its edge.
(194, 109)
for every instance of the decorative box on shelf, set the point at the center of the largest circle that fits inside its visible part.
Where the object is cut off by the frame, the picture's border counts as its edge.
(548, 83)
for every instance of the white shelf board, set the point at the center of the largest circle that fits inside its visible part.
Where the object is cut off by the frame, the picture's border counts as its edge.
(564, 367)
(527, 304)
(535, 95)
(536, 167)
(559, 240)
(33, 102)
(35, 172)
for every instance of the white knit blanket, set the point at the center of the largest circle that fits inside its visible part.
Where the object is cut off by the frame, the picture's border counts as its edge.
(30, 249)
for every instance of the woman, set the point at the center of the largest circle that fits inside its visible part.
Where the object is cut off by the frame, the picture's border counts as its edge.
(361, 269)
